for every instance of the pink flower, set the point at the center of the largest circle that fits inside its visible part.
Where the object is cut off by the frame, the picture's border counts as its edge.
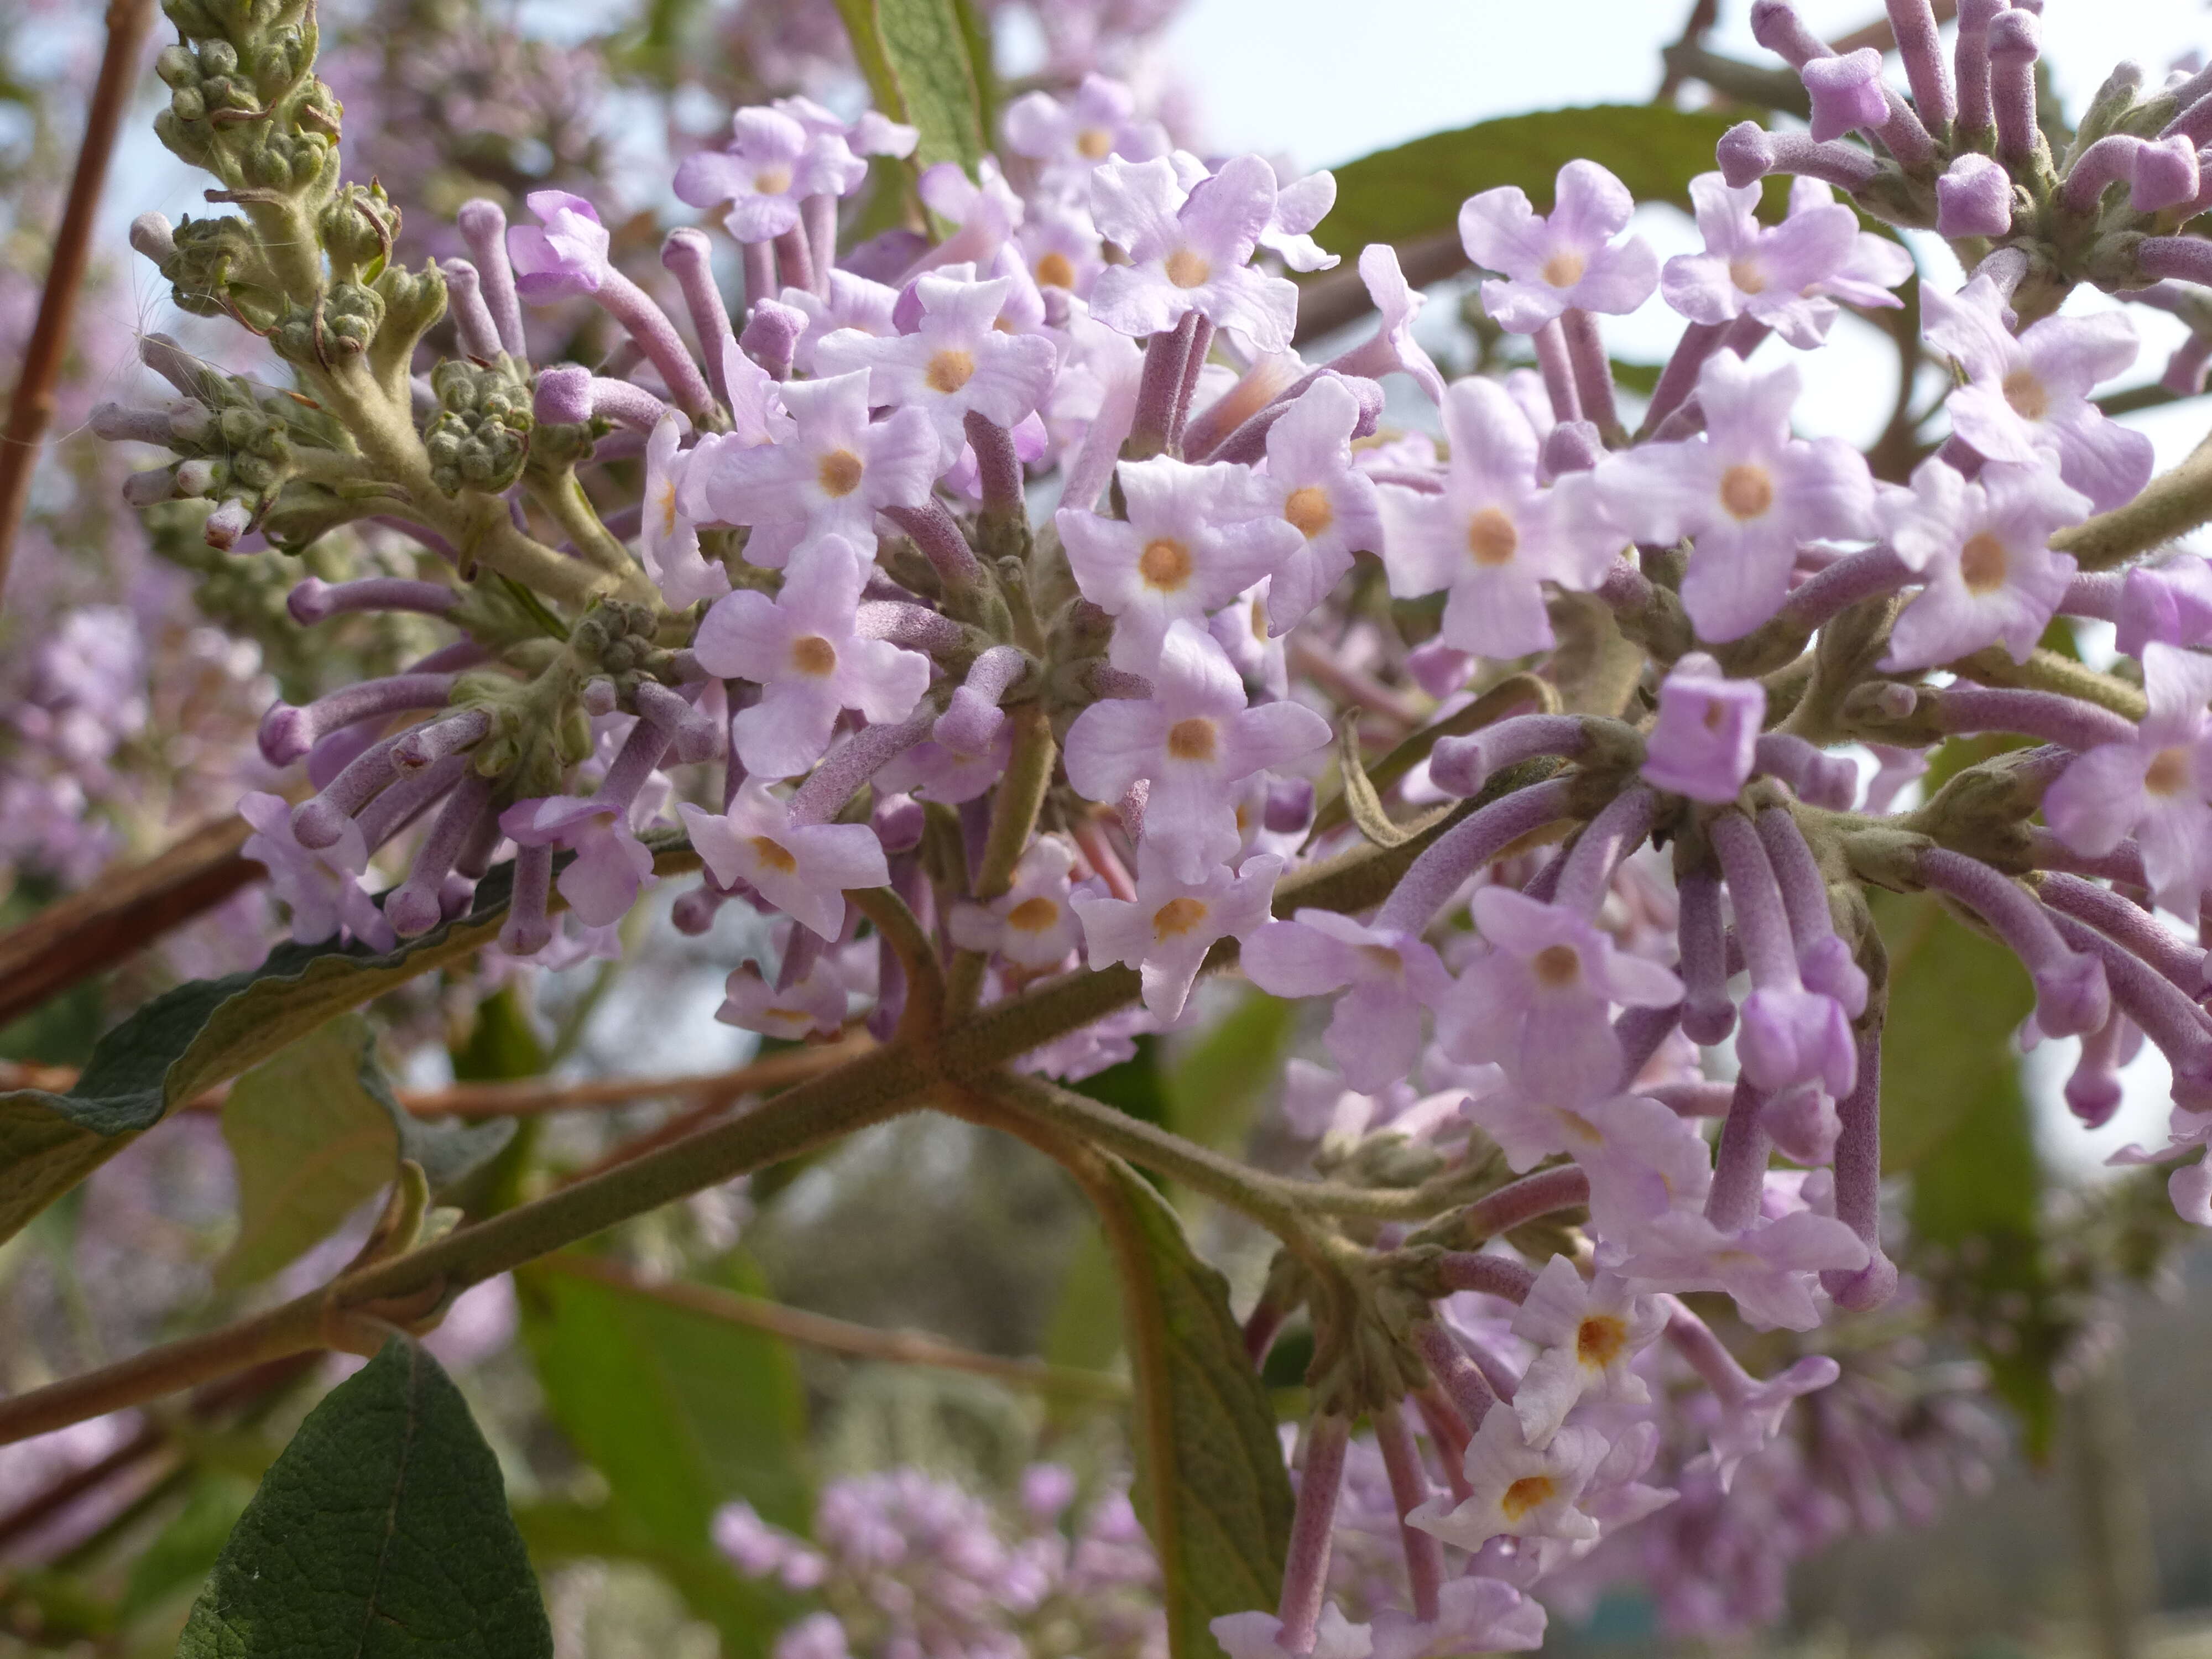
(1033, 925)
(1493, 535)
(1769, 1269)
(1195, 538)
(1300, 206)
(1189, 250)
(771, 165)
(1098, 123)
(803, 869)
(1193, 740)
(1705, 740)
(320, 886)
(1748, 492)
(2156, 789)
(2027, 400)
(1567, 259)
(611, 864)
(2169, 600)
(1984, 549)
(1540, 1003)
(805, 648)
(1777, 275)
(814, 1006)
(955, 361)
(564, 254)
(1474, 1616)
(830, 477)
(1321, 494)
(1520, 1491)
(1165, 932)
(856, 305)
(1589, 1334)
(1375, 1035)
(1252, 1636)
(668, 541)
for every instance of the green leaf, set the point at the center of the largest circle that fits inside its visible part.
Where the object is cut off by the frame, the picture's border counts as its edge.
(1211, 1484)
(210, 1031)
(1415, 190)
(502, 1044)
(1955, 1113)
(915, 56)
(312, 1144)
(1955, 999)
(315, 1133)
(381, 1532)
(681, 1412)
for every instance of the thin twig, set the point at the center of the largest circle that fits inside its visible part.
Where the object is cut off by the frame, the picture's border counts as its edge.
(709, 1091)
(841, 1336)
(124, 911)
(32, 407)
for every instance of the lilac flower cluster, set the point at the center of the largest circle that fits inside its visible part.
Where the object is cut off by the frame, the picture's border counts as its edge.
(907, 1564)
(937, 741)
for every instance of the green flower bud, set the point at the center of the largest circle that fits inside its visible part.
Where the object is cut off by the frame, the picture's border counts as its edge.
(481, 437)
(358, 229)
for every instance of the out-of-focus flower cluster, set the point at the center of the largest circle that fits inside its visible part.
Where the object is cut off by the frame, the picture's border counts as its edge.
(908, 1562)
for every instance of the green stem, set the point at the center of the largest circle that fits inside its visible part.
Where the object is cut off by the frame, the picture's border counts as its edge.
(1276, 1204)
(1013, 818)
(562, 495)
(476, 524)
(2046, 671)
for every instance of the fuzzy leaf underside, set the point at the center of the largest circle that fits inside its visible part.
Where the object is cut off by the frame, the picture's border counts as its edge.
(1211, 1484)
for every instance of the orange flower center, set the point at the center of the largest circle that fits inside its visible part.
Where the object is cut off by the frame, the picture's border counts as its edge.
(949, 370)
(1565, 268)
(1177, 917)
(1186, 268)
(1033, 916)
(1308, 508)
(2025, 391)
(840, 473)
(2168, 772)
(1600, 1340)
(1193, 740)
(1530, 1492)
(1054, 270)
(1746, 490)
(1556, 967)
(1491, 538)
(1164, 563)
(772, 855)
(812, 654)
(1983, 564)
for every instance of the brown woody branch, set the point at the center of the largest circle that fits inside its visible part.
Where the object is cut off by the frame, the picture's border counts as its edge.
(126, 909)
(31, 410)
